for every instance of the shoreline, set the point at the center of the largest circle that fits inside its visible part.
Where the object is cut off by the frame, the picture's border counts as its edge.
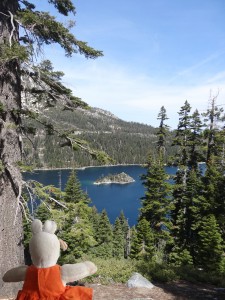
(113, 182)
(83, 168)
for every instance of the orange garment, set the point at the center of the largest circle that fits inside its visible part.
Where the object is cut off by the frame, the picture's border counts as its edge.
(46, 283)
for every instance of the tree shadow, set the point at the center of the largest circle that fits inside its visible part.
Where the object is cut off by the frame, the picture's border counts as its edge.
(184, 290)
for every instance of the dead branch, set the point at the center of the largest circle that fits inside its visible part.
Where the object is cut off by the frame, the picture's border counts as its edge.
(58, 202)
(13, 29)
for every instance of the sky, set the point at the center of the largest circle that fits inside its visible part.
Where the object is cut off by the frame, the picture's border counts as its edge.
(156, 53)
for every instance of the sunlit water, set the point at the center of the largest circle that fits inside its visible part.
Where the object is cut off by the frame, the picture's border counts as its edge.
(112, 197)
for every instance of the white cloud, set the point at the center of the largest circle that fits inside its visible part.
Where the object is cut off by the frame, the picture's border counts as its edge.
(217, 78)
(193, 70)
(137, 97)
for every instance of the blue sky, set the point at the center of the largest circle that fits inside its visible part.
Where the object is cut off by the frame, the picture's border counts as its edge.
(156, 53)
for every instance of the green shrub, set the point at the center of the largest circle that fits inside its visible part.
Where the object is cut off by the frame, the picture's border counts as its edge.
(155, 271)
(111, 270)
(119, 271)
(194, 275)
(179, 257)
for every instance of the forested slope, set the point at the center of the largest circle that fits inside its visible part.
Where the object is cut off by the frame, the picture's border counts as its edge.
(125, 142)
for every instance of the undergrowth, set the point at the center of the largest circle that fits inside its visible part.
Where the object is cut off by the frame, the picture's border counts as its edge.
(119, 271)
(111, 270)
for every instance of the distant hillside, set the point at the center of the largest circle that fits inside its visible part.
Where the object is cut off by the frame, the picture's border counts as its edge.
(125, 142)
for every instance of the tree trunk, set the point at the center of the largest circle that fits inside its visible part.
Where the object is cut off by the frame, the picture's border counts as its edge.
(11, 250)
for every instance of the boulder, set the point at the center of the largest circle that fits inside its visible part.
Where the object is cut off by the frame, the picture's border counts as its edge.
(137, 280)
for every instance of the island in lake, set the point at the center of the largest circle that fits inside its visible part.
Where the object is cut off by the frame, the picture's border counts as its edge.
(120, 178)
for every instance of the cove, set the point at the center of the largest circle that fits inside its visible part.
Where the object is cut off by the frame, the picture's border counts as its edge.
(112, 197)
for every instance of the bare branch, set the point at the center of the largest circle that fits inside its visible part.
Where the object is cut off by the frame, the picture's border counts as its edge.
(13, 29)
(4, 14)
(24, 210)
(58, 202)
(31, 198)
(18, 202)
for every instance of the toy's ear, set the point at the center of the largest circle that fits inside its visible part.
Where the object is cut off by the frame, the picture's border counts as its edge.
(36, 226)
(49, 226)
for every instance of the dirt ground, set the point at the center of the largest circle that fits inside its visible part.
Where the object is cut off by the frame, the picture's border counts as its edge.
(180, 290)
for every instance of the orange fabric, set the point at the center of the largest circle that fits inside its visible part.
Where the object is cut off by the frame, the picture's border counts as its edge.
(46, 283)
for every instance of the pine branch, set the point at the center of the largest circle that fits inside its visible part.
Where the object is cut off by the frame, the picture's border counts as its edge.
(48, 30)
(63, 6)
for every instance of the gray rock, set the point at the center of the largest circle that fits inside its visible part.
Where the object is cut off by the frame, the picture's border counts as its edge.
(137, 280)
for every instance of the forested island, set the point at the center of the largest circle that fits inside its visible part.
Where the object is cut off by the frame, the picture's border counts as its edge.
(121, 178)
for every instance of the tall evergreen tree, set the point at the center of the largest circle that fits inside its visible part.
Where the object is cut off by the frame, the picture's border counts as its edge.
(213, 116)
(181, 140)
(43, 213)
(187, 186)
(155, 207)
(156, 203)
(22, 28)
(187, 219)
(94, 218)
(143, 241)
(118, 240)
(126, 233)
(182, 134)
(213, 193)
(77, 231)
(195, 141)
(213, 178)
(197, 195)
(162, 131)
(210, 245)
(73, 190)
(104, 237)
(75, 221)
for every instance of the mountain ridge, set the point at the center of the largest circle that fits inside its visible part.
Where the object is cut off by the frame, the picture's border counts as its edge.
(126, 142)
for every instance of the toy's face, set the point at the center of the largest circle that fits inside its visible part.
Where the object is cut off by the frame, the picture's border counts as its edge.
(44, 245)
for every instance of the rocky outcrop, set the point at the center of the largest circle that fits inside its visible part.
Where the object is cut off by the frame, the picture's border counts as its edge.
(121, 178)
(138, 281)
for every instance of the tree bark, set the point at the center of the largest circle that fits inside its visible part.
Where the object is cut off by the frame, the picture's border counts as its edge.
(11, 233)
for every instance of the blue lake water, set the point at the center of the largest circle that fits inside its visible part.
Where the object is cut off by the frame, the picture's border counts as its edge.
(112, 197)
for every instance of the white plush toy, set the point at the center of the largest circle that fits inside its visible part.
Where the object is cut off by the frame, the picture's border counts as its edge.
(45, 279)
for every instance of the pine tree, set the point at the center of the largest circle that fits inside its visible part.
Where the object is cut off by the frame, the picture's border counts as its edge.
(188, 217)
(77, 231)
(43, 213)
(118, 240)
(213, 179)
(180, 212)
(162, 131)
(213, 193)
(126, 233)
(73, 190)
(210, 245)
(214, 116)
(182, 134)
(143, 241)
(135, 244)
(195, 141)
(76, 226)
(94, 218)
(156, 202)
(104, 237)
(197, 195)
(156, 206)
